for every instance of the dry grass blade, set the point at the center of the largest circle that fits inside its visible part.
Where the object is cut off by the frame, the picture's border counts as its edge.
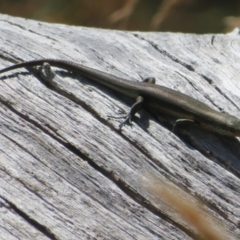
(189, 209)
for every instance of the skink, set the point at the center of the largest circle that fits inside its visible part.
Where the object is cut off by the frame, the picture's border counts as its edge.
(159, 100)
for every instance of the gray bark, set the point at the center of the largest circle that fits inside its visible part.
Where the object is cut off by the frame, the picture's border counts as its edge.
(67, 172)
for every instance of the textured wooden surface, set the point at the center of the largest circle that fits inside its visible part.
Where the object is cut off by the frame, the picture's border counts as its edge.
(67, 172)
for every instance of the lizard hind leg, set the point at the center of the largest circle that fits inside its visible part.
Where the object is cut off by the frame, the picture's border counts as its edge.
(180, 122)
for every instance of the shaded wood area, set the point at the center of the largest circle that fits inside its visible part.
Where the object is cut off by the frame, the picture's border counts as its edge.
(67, 172)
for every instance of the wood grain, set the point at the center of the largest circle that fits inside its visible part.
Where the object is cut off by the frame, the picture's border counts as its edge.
(67, 172)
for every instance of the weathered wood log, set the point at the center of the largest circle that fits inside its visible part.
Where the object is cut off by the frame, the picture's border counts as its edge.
(67, 172)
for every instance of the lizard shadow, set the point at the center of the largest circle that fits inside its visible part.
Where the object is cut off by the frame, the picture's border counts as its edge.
(223, 150)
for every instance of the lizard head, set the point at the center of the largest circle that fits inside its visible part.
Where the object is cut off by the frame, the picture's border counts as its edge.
(224, 124)
(230, 126)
